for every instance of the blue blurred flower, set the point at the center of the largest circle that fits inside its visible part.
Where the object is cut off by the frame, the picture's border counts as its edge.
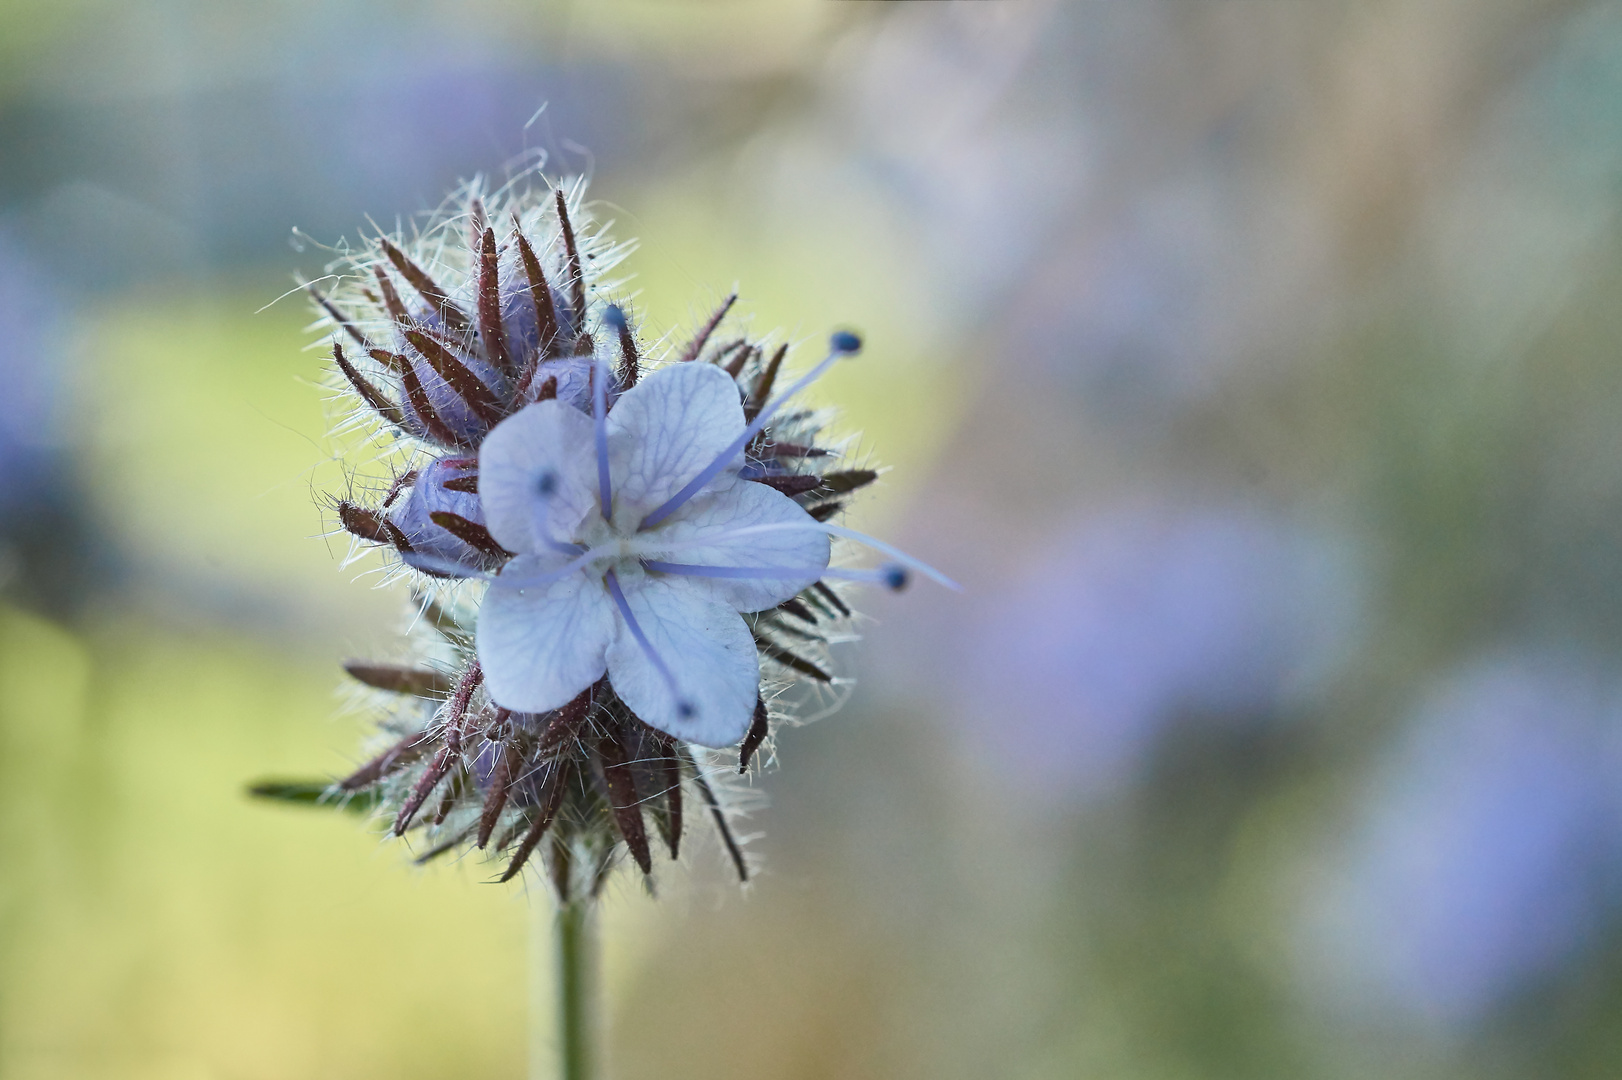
(1123, 623)
(30, 372)
(1487, 846)
(49, 553)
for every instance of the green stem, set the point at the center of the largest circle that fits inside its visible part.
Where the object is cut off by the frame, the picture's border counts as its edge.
(576, 963)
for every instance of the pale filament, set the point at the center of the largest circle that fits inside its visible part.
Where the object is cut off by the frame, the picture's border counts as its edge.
(893, 576)
(599, 415)
(808, 526)
(710, 471)
(683, 706)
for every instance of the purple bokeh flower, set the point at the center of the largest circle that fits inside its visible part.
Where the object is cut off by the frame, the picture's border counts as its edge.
(1124, 622)
(31, 433)
(1486, 848)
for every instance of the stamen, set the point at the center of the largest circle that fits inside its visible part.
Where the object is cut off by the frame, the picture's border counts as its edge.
(684, 708)
(892, 577)
(894, 553)
(599, 415)
(843, 345)
(740, 572)
(814, 526)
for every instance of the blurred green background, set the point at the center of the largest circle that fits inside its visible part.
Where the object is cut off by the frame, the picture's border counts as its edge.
(1257, 366)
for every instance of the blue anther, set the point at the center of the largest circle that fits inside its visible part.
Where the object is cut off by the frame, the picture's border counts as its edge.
(843, 341)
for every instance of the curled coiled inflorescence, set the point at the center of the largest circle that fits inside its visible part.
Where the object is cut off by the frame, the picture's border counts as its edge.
(620, 555)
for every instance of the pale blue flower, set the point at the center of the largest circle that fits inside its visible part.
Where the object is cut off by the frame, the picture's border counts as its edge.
(654, 602)
(639, 547)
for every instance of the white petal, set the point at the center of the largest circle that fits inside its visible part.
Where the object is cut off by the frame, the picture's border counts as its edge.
(663, 432)
(540, 645)
(708, 649)
(537, 476)
(745, 503)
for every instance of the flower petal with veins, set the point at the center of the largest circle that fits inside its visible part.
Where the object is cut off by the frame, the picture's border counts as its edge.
(712, 653)
(665, 430)
(743, 505)
(537, 477)
(540, 645)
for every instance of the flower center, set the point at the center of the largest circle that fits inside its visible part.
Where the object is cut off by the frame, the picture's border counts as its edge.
(605, 546)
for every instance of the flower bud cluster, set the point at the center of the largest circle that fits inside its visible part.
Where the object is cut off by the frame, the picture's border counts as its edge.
(619, 553)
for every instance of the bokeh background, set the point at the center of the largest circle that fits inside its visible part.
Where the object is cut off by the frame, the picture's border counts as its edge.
(1257, 366)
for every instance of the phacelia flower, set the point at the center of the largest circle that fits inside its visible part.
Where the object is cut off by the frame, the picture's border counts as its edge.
(638, 548)
(620, 561)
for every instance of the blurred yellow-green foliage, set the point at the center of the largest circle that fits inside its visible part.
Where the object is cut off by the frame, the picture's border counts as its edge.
(1255, 366)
